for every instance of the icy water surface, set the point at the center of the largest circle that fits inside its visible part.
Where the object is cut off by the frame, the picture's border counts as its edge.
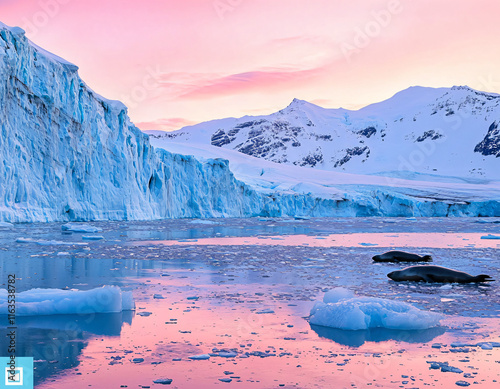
(240, 290)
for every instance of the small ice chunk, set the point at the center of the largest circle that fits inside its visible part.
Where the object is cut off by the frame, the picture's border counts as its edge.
(360, 313)
(486, 346)
(63, 253)
(462, 383)
(225, 379)
(228, 354)
(490, 236)
(145, 314)
(6, 225)
(92, 237)
(199, 357)
(163, 381)
(267, 310)
(80, 227)
(158, 296)
(448, 368)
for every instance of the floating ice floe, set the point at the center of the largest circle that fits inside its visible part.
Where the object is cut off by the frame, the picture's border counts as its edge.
(80, 227)
(42, 242)
(490, 236)
(341, 309)
(6, 225)
(163, 381)
(200, 357)
(36, 302)
(92, 237)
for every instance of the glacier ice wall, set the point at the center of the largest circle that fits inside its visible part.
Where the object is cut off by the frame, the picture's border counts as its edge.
(69, 154)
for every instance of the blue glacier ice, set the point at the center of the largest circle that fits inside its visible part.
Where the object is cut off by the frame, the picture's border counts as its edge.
(68, 154)
(43, 302)
(341, 309)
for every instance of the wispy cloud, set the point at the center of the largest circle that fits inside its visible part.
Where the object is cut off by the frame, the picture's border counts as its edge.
(193, 86)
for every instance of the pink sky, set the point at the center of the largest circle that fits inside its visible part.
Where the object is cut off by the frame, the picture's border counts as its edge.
(178, 62)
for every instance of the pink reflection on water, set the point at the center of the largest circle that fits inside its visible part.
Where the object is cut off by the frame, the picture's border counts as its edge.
(411, 239)
(308, 361)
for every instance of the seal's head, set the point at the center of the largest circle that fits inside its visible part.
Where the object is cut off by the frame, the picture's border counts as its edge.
(394, 275)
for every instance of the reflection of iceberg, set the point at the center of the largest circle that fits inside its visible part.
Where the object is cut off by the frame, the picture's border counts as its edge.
(36, 302)
(105, 324)
(341, 309)
(358, 338)
(57, 341)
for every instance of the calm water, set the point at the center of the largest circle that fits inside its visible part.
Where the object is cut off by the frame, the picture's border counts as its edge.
(244, 287)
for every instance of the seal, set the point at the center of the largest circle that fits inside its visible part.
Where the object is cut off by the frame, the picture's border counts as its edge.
(401, 256)
(429, 273)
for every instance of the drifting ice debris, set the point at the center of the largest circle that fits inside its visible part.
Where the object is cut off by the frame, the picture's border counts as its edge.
(6, 225)
(163, 381)
(49, 242)
(80, 227)
(341, 309)
(490, 236)
(264, 311)
(200, 357)
(92, 237)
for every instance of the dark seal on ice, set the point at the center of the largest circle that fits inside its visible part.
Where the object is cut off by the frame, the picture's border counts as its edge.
(429, 273)
(401, 256)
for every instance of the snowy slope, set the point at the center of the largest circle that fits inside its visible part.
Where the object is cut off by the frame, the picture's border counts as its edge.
(352, 194)
(432, 132)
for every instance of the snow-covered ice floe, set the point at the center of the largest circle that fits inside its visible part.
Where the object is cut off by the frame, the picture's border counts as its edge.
(42, 242)
(80, 227)
(342, 309)
(35, 302)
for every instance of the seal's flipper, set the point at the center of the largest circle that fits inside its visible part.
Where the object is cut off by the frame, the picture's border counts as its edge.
(432, 278)
(484, 278)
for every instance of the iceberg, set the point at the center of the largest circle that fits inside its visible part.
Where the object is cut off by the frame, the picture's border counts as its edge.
(341, 309)
(43, 302)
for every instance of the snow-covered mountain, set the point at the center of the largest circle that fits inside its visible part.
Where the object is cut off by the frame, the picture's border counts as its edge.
(419, 131)
(69, 154)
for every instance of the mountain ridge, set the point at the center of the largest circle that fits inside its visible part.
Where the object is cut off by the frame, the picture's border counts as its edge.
(418, 129)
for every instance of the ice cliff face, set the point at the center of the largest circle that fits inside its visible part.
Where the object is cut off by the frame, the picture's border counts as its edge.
(70, 154)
